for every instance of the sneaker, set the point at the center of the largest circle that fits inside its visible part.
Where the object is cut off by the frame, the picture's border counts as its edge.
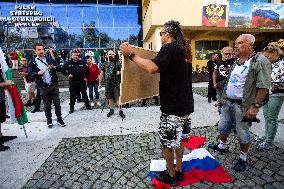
(99, 104)
(71, 109)
(216, 124)
(35, 110)
(121, 114)
(259, 140)
(92, 104)
(7, 138)
(111, 112)
(61, 123)
(215, 147)
(240, 165)
(4, 148)
(264, 146)
(179, 176)
(164, 177)
(49, 124)
(88, 107)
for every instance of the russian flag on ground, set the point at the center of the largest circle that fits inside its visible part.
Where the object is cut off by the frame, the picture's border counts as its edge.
(199, 165)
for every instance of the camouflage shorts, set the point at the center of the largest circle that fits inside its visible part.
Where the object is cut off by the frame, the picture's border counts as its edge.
(173, 129)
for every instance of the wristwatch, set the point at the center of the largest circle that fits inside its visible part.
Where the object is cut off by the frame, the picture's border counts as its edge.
(257, 105)
(131, 56)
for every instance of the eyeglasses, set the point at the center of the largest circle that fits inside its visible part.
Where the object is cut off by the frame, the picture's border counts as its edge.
(227, 53)
(162, 32)
(111, 54)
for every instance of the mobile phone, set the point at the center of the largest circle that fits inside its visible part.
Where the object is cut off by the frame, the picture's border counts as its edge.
(246, 119)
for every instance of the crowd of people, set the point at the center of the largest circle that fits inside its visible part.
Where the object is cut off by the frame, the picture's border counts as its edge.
(241, 82)
(40, 75)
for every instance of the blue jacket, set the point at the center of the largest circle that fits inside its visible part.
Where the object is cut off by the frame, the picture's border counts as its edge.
(33, 73)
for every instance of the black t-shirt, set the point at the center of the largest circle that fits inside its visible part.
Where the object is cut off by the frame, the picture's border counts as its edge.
(175, 80)
(220, 67)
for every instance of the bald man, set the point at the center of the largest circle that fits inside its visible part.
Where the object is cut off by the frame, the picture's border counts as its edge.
(245, 93)
(221, 73)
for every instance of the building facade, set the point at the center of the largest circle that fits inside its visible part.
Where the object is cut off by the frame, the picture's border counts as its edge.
(211, 25)
(70, 23)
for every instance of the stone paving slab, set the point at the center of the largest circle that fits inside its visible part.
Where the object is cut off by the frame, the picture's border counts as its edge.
(123, 162)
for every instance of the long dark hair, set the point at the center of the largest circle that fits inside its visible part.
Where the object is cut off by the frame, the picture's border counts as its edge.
(173, 27)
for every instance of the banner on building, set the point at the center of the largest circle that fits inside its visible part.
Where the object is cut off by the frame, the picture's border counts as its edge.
(214, 13)
(248, 14)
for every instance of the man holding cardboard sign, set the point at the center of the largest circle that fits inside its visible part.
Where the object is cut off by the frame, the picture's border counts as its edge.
(173, 64)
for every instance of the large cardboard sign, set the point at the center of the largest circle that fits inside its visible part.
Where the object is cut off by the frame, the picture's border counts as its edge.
(136, 84)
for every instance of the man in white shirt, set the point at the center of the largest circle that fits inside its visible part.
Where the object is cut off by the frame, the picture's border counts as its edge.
(245, 93)
(43, 70)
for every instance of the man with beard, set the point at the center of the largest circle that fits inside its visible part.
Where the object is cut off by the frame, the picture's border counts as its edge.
(110, 74)
(176, 98)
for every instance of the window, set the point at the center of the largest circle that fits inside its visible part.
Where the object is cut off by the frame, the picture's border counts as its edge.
(203, 49)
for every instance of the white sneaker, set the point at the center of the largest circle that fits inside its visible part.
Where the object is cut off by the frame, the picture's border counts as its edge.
(99, 104)
(264, 146)
(92, 104)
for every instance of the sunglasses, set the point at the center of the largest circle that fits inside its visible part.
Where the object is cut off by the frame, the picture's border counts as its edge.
(228, 53)
(161, 33)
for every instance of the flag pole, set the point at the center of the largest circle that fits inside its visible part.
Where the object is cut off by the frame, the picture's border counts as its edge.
(25, 130)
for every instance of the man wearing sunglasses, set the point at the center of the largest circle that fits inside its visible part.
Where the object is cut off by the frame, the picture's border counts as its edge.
(221, 73)
(173, 62)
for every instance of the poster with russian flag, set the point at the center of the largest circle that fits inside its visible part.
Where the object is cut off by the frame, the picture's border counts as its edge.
(214, 13)
(256, 14)
(199, 165)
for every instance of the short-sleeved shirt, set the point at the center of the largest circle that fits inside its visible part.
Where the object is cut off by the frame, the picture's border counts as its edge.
(220, 68)
(110, 73)
(175, 80)
(237, 80)
(258, 77)
(277, 78)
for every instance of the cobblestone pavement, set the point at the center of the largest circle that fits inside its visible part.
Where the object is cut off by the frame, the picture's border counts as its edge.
(123, 162)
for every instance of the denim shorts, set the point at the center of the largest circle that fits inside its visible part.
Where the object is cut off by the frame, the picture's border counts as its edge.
(173, 129)
(231, 116)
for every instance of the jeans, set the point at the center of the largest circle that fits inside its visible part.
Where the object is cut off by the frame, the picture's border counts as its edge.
(231, 116)
(271, 111)
(49, 94)
(93, 86)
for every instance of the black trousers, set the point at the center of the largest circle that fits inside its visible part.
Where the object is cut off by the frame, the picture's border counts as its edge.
(37, 100)
(76, 87)
(211, 90)
(2, 111)
(49, 94)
